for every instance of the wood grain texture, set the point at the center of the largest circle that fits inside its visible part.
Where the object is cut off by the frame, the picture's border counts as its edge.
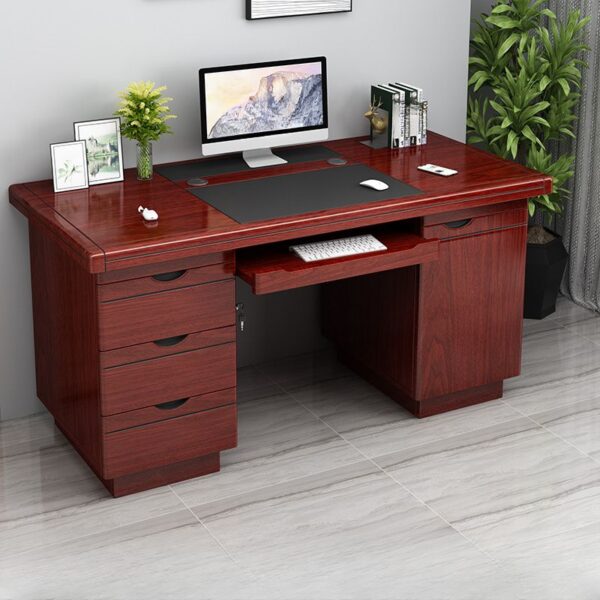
(183, 343)
(152, 414)
(454, 228)
(80, 248)
(158, 316)
(167, 266)
(373, 321)
(471, 313)
(165, 475)
(177, 279)
(423, 408)
(274, 268)
(168, 442)
(175, 377)
(457, 326)
(66, 341)
(434, 335)
(106, 216)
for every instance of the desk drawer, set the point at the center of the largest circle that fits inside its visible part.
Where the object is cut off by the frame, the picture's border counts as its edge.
(465, 223)
(164, 347)
(168, 266)
(167, 314)
(176, 377)
(162, 282)
(168, 410)
(170, 441)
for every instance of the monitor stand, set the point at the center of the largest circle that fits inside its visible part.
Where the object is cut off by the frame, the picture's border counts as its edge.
(262, 158)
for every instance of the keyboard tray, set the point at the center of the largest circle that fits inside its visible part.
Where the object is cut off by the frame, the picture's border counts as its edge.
(273, 268)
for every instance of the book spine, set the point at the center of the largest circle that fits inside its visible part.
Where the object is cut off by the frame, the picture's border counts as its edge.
(425, 115)
(401, 122)
(418, 135)
(397, 116)
(409, 139)
(396, 121)
(416, 90)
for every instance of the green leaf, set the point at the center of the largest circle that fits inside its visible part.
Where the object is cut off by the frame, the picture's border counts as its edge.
(545, 82)
(528, 133)
(510, 41)
(565, 86)
(503, 22)
(548, 13)
(512, 143)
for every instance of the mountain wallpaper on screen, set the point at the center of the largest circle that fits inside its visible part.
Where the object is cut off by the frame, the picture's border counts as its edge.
(284, 100)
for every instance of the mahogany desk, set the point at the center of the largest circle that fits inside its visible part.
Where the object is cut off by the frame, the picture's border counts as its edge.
(135, 325)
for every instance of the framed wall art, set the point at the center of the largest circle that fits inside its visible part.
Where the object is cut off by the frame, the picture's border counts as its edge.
(69, 166)
(269, 9)
(104, 151)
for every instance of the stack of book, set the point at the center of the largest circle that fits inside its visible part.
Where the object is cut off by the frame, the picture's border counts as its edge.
(405, 109)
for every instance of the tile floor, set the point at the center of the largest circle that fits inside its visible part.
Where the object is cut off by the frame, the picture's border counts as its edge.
(335, 493)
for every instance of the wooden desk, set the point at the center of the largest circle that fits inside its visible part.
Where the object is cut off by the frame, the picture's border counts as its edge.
(135, 325)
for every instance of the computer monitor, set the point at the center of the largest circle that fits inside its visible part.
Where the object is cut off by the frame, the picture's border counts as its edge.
(253, 108)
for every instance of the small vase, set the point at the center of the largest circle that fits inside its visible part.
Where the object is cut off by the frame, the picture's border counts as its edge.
(144, 161)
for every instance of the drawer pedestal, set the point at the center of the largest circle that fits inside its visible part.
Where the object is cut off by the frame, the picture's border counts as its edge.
(143, 383)
(445, 334)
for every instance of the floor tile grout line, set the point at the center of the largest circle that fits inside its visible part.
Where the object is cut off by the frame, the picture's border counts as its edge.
(212, 535)
(516, 416)
(559, 437)
(567, 327)
(396, 482)
(518, 413)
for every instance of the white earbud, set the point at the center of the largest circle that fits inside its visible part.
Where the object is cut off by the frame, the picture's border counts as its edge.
(148, 214)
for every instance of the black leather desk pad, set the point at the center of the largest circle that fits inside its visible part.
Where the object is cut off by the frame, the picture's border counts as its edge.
(300, 193)
(235, 163)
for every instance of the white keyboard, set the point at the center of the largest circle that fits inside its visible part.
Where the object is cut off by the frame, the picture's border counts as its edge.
(360, 244)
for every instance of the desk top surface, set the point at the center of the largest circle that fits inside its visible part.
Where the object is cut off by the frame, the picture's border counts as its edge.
(102, 229)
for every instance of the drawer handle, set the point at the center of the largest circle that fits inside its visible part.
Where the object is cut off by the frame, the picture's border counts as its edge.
(172, 341)
(458, 224)
(172, 405)
(169, 276)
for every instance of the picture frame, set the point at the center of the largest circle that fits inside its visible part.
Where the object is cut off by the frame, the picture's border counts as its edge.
(104, 146)
(69, 166)
(271, 9)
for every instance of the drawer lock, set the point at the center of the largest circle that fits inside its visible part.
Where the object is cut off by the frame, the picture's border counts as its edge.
(241, 316)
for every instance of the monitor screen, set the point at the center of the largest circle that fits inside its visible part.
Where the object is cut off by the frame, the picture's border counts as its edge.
(247, 101)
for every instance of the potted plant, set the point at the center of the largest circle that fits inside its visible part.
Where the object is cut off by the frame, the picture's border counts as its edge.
(144, 114)
(524, 89)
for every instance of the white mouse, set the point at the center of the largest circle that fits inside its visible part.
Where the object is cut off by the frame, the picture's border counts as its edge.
(148, 214)
(375, 184)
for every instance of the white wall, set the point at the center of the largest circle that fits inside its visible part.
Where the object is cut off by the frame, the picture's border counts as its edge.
(65, 60)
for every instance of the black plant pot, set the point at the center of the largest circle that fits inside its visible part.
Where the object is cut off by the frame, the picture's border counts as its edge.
(546, 264)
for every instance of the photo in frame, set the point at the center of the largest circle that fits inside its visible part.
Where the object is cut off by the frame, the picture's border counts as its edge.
(269, 9)
(69, 166)
(104, 149)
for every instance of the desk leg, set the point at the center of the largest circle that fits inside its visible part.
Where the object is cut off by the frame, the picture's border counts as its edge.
(441, 336)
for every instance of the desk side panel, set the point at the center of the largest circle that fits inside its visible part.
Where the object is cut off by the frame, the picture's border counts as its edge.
(79, 247)
(66, 342)
(373, 322)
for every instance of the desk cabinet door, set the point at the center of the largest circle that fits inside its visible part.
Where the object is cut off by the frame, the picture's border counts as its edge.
(471, 315)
